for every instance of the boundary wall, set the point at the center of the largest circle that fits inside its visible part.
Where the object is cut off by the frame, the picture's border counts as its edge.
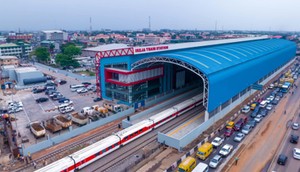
(72, 133)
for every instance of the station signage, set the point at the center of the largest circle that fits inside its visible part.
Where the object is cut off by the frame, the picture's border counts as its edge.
(138, 50)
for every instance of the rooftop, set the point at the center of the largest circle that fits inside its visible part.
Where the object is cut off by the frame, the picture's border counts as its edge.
(52, 31)
(25, 69)
(8, 57)
(106, 47)
(8, 45)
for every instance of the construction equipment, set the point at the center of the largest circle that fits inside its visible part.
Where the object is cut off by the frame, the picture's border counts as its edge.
(62, 121)
(112, 106)
(52, 126)
(78, 119)
(37, 129)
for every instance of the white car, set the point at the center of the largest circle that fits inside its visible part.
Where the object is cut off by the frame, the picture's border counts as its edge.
(226, 149)
(239, 137)
(82, 90)
(296, 153)
(217, 141)
(258, 118)
(269, 107)
(295, 126)
(215, 161)
(246, 109)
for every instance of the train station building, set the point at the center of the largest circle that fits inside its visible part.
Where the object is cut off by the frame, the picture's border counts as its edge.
(224, 70)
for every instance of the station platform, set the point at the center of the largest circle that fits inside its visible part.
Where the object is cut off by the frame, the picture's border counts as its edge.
(167, 104)
(186, 127)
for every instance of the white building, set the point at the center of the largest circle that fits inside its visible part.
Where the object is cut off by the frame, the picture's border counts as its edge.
(21, 50)
(54, 35)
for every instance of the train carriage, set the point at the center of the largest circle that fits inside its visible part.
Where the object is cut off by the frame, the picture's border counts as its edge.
(163, 117)
(135, 131)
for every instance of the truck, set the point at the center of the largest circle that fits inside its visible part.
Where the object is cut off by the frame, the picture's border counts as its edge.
(52, 126)
(62, 121)
(37, 129)
(100, 109)
(112, 106)
(78, 119)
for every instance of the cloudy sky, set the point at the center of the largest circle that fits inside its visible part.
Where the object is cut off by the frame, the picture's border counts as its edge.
(279, 15)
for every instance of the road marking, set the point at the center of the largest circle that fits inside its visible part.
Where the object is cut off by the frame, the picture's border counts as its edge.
(24, 109)
(185, 125)
(38, 103)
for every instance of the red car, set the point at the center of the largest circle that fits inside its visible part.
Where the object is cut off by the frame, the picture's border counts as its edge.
(239, 125)
(228, 132)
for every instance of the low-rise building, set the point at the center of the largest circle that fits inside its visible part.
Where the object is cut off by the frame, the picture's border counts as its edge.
(19, 50)
(9, 60)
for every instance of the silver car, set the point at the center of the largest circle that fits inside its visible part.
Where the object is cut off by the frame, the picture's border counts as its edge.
(215, 161)
(295, 126)
(239, 137)
(246, 129)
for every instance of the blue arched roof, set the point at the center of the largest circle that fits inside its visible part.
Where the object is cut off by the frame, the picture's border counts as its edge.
(231, 68)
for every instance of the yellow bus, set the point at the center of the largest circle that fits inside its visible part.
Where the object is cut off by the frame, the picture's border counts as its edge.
(205, 150)
(187, 165)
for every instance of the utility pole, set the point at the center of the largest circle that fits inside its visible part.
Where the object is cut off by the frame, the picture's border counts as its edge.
(90, 25)
(149, 23)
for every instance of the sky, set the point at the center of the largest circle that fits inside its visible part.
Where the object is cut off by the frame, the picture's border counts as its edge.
(268, 15)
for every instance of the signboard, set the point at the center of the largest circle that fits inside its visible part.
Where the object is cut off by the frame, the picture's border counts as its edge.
(139, 104)
(138, 50)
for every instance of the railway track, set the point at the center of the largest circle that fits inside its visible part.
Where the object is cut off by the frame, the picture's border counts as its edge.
(134, 147)
(91, 138)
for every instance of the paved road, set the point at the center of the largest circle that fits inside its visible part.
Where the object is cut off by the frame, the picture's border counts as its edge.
(64, 72)
(287, 149)
(261, 147)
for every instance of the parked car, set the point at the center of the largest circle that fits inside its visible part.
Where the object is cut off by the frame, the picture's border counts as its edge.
(269, 107)
(258, 118)
(239, 137)
(295, 126)
(246, 129)
(83, 90)
(277, 98)
(228, 132)
(225, 150)
(41, 100)
(15, 110)
(97, 99)
(246, 109)
(294, 139)
(280, 94)
(63, 100)
(263, 112)
(215, 161)
(62, 82)
(282, 159)
(296, 153)
(38, 90)
(217, 141)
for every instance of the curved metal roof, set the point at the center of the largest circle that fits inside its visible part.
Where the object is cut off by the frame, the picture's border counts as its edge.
(217, 58)
(231, 68)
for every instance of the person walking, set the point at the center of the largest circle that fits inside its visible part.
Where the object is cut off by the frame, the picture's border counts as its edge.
(236, 159)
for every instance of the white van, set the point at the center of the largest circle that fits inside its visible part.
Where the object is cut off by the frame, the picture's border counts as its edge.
(263, 103)
(201, 167)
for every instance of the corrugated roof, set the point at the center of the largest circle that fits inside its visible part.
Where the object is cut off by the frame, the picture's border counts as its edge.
(8, 45)
(106, 47)
(8, 57)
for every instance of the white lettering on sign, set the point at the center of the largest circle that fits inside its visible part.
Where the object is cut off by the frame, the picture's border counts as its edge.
(149, 49)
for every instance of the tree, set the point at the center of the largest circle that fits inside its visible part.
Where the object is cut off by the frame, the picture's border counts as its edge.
(101, 40)
(72, 51)
(63, 46)
(42, 54)
(51, 48)
(110, 40)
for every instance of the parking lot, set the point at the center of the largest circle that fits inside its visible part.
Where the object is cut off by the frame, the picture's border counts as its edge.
(33, 111)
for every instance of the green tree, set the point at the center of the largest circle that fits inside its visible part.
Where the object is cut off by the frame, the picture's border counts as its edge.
(72, 51)
(42, 54)
(51, 48)
(101, 40)
(63, 46)
(110, 40)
